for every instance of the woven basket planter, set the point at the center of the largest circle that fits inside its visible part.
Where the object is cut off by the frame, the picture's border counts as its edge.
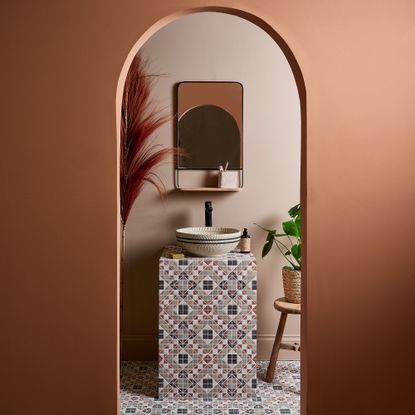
(292, 285)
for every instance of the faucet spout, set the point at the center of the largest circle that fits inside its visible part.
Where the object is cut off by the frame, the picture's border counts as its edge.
(208, 213)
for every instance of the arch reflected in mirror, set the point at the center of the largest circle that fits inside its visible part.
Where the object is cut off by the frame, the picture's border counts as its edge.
(210, 137)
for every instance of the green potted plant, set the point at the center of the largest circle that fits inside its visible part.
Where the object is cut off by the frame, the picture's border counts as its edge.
(288, 243)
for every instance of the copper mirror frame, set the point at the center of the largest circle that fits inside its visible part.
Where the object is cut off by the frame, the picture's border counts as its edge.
(209, 126)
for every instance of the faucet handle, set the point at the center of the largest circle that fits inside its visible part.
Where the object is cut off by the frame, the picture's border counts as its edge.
(208, 213)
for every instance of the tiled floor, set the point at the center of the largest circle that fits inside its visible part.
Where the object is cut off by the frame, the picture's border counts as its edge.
(139, 393)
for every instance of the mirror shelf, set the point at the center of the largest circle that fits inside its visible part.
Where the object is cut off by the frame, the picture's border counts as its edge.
(210, 189)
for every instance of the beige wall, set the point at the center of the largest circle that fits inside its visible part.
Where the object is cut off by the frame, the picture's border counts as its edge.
(60, 64)
(216, 46)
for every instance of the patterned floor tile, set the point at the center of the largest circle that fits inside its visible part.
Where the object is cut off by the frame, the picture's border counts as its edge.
(139, 390)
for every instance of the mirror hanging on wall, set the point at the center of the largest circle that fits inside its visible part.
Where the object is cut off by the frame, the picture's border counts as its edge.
(210, 130)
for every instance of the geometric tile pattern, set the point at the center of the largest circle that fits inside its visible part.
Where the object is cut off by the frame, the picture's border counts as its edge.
(207, 326)
(139, 393)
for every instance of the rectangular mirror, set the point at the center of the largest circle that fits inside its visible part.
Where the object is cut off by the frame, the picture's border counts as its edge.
(210, 125)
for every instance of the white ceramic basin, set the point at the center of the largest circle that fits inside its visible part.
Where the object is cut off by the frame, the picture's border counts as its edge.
(208, 241)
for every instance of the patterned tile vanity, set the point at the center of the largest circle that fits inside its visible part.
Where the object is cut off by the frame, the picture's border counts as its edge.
(207, 326)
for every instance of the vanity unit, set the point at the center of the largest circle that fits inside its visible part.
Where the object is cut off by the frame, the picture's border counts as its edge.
(207, 326)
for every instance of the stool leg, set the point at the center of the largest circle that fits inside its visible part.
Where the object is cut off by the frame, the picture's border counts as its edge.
(276, 348)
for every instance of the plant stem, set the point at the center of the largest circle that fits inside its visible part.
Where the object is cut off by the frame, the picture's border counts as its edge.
(285, 256)
(285, 247)
(291, 242)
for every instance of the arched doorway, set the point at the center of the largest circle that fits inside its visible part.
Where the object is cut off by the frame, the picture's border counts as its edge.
(301, 92)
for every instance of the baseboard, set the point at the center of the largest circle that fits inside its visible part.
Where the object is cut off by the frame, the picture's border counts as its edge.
(145, 347)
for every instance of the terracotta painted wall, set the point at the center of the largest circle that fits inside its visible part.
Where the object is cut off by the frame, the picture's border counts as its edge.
(60, 65)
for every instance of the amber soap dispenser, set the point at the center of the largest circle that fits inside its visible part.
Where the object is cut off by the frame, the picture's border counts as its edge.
(245, 245)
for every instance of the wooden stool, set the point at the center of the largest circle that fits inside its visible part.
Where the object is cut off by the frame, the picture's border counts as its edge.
(286, 308)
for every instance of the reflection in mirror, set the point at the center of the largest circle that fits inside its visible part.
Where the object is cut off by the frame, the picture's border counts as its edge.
(210, 137)
(210, 126)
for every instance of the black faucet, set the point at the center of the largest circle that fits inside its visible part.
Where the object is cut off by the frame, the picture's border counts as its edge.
(208, 213)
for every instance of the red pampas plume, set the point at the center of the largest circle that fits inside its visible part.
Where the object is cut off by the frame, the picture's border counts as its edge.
(139, 120)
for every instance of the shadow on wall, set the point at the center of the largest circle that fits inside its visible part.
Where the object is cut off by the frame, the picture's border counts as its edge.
(141, 305)
(141, 294)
